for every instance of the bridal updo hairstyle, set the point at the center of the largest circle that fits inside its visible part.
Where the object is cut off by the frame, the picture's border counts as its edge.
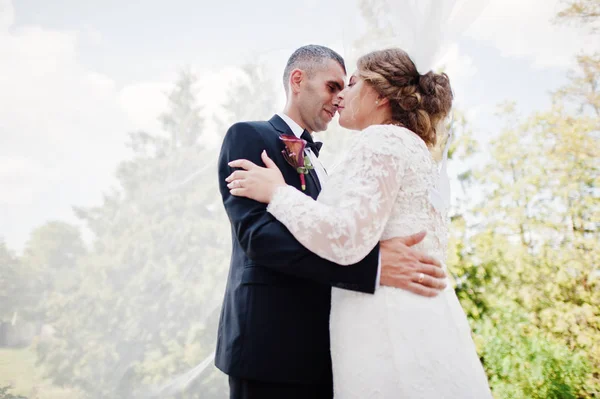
(418, 102)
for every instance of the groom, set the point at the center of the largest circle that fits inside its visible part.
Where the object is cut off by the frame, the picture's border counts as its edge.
(273, 336)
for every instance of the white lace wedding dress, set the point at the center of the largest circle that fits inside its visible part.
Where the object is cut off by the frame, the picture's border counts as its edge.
(393, 344)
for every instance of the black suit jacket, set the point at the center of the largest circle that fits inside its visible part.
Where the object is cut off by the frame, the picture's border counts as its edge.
(274, 324)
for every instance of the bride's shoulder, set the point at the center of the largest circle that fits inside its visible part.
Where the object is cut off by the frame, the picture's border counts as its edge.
(392, 131)
(391, 138)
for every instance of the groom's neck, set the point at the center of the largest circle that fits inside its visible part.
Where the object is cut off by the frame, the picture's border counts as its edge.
(295, 116)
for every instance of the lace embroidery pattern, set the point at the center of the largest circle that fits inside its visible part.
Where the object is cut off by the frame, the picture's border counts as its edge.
(388, 173)
(393, 344)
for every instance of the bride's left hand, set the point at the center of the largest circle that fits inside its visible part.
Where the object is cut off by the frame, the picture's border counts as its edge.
(253, 181)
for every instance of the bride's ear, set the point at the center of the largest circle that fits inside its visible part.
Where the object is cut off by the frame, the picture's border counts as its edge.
(382, 101)
(296, 78)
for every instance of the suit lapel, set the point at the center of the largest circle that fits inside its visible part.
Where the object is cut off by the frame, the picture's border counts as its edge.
(283, 128)
(313, 174)
(280, 125)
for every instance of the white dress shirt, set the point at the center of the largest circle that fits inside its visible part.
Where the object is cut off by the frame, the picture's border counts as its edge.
(319, 168)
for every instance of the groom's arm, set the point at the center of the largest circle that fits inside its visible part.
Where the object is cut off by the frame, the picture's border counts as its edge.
(266, 241)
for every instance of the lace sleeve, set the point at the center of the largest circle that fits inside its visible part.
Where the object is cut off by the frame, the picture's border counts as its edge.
(347, 220)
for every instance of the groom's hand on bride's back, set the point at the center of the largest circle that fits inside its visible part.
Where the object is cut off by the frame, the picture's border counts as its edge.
(406, 268)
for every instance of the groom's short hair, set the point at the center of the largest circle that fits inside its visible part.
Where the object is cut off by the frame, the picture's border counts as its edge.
(309, 58)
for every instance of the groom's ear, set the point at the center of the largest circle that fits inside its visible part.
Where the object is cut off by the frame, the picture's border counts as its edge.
(296, 78)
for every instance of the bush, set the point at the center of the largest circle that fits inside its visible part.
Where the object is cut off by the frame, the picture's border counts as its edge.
(4, 394)
(523, 363)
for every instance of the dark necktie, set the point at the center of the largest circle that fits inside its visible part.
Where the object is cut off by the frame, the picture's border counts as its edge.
(314, 147)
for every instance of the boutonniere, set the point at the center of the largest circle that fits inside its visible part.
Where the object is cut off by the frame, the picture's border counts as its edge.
(294, 155)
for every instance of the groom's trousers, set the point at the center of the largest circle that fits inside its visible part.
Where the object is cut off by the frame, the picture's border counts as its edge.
(240, 388)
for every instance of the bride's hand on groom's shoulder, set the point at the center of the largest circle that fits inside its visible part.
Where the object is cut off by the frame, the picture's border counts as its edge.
(253, 181)
(406, 268)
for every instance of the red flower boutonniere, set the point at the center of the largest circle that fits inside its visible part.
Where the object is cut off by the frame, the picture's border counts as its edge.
(294, 155)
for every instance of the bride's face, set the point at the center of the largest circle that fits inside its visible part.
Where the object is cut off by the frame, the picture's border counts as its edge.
(357, 103)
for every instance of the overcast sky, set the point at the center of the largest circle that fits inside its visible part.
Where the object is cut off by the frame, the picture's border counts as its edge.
(76, 76)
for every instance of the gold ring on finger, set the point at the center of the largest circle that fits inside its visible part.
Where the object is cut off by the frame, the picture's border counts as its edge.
(421, 278)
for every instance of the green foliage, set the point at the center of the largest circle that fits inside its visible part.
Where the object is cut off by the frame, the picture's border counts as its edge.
(525, 257)
(522, 362)
(586, 12)
(13, 284)
(5, 394)
(49, 262)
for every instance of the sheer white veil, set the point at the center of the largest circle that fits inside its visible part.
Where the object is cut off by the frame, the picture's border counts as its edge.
(136, 315)
(425, 29)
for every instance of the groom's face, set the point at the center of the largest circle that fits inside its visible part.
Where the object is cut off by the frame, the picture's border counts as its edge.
(318, 98)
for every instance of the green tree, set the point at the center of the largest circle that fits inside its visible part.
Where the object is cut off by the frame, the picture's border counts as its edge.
(49, 263)
(252, 98)
(583, 91)
(150, 287)
(526, 255)
(522, 363)
(581, 11)
(13, 284)
(5, 394)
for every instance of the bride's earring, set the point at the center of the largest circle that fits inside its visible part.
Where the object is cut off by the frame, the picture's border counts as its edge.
(377, 102)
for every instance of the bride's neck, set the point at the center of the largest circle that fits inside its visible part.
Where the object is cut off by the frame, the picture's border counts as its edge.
(379, 116)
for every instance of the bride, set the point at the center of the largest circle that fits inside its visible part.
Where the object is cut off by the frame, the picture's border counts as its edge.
(393, 344)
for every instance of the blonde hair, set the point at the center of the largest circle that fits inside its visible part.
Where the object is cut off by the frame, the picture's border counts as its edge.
(418, 102)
